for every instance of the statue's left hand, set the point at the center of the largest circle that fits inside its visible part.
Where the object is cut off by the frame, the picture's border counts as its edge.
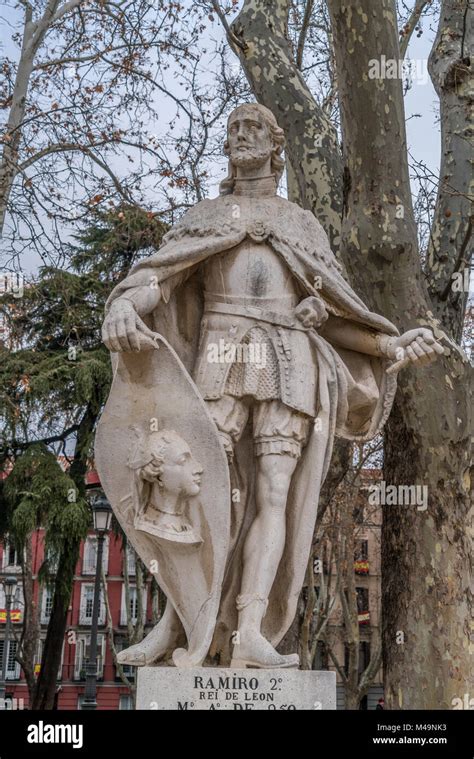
(311, 312)
(417, 346)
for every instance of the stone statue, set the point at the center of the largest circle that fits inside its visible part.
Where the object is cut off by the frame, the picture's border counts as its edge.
(242, 335)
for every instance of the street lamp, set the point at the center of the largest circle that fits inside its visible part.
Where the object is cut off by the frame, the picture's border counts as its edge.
(9, 587)
(102, 514)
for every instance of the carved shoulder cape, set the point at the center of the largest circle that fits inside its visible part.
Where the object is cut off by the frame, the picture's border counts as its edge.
(355, 394)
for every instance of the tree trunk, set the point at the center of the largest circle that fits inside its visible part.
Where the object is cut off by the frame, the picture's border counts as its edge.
(31, 626)
(33, 35)
(312, 146)
(451, 236)
(47, 678)
(428, 434)
(425, 554)
(46, 685)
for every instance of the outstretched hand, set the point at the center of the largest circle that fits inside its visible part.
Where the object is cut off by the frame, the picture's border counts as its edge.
(417, 346)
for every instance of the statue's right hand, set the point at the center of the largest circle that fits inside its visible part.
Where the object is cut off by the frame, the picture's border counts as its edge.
(123, 330)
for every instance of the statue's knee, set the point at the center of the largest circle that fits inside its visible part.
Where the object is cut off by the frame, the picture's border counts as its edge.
(274, 486)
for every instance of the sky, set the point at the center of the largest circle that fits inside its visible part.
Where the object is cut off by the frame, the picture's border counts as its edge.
(423, 132)
(420, 103)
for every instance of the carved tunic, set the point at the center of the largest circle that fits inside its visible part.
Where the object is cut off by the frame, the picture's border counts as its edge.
(251, 344)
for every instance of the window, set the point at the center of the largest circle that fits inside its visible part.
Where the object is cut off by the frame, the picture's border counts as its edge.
(361, 557)
(87, 605)
(321, 659)
(18, 604)
(133, 605)
(82, 655)
(13, 667)
(358, 514)
(131, 561)
(52, 561)
(364, 656)
(46, 605)
(128, 670)
(10, 558)
(362, 599)
(17, 607)
(125, 703)
(89, 561)
(362, 550)
(39, 656)
(363, 611)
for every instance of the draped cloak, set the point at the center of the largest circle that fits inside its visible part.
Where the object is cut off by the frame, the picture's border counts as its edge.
(355, 394)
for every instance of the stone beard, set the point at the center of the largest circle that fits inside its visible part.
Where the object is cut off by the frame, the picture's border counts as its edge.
(257, 275)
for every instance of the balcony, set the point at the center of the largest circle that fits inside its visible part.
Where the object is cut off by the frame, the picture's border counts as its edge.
(15, 616)
(361, 566)
(363, 617)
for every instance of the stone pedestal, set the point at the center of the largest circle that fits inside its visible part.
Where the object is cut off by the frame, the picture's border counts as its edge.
(213, 689)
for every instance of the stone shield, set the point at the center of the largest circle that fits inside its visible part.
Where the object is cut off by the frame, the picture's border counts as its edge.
(152, 389)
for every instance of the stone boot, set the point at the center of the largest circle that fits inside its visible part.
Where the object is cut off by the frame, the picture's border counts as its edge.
(253, 650)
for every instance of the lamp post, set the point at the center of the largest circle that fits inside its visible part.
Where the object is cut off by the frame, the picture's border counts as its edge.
(9, 587)
(102, 514)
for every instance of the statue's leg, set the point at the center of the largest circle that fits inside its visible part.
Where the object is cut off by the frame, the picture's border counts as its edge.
(166, 636)
(279, 433)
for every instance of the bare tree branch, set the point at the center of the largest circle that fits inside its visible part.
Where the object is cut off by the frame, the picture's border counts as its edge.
(303, 32)
(408, 29)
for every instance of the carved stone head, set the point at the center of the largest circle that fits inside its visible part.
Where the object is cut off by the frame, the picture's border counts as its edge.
(253, 136)
(166, 475)
(171, 464)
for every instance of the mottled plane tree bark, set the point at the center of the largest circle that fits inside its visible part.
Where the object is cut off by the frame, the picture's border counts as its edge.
(451, 73)
(427, 596)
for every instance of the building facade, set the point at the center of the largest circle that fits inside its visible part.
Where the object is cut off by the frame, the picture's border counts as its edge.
(362, 531)
(112, 693)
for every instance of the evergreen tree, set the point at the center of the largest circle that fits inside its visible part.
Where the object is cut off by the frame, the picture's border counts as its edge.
(55, 377)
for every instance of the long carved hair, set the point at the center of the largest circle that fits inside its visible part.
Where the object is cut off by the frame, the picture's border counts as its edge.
(146, 464)
(277, 163)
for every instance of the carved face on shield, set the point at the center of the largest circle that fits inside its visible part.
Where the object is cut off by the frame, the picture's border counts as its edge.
(166, 476)
(172, 466)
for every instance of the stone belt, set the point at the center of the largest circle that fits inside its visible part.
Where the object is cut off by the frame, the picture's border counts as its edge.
(254, 312)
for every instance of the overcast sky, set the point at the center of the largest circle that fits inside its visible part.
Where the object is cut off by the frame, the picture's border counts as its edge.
(420, 103)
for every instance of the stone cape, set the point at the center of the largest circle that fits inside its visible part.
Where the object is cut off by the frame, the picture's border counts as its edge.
(345, 408)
